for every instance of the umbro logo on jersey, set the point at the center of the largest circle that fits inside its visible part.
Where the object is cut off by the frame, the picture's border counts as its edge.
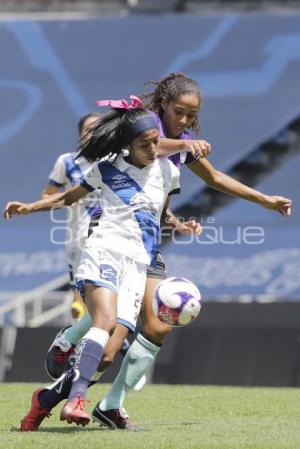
(120, 181)
(119, 178)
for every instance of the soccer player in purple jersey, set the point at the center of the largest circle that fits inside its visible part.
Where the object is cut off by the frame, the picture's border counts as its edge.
(176, 101)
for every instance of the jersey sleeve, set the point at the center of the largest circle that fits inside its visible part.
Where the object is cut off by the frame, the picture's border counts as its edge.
(58, 176)
(92, 179)
(189, 158)
(175, 184)
(155, 116)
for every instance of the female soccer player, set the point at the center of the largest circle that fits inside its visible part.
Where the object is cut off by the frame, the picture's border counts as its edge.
(134, 190)
(66, 172)
(175, 103)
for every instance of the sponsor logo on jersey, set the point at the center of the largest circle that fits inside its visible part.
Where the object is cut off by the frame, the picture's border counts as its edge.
(120, 182)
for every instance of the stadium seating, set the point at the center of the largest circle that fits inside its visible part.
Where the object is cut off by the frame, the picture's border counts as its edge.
(53, 74)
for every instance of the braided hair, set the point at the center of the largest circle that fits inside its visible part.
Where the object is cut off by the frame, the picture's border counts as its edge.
(169, 89)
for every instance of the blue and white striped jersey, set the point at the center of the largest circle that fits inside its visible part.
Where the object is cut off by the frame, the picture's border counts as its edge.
(132, 200)
(67, 172)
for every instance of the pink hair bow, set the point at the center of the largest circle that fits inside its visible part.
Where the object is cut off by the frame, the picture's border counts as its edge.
(122, 104)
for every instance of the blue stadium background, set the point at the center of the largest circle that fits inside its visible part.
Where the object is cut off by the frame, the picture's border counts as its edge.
(247, 65)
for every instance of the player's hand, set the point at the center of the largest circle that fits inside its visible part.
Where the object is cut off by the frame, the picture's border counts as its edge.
(199, 148)
(16, 208)
(278, 203)
(189, 227)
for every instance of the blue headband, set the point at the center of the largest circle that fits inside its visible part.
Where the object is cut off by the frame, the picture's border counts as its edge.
(132, 130)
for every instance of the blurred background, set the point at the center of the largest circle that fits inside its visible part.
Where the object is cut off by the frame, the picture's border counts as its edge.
(57, 59)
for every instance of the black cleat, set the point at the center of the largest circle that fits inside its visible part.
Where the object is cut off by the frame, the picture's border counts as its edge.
(113, 419)
(58, 355)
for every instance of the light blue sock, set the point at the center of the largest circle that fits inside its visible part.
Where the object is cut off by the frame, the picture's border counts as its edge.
(136, 363)
(75, 333)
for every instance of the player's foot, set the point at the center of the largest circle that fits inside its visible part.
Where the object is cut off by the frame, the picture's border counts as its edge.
(78, 309)
(36, 414)
(113, 419)
(74, 411)
(58, 354)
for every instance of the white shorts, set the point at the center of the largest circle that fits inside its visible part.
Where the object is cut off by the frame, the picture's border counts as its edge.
(119, 273)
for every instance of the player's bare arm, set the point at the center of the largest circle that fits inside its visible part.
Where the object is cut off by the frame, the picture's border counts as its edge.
(183, 227)
(226, 184)
(49, 190)
(56, 200)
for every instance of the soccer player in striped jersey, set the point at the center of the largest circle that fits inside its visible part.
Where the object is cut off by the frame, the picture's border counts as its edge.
(112, 271)
(67, 172)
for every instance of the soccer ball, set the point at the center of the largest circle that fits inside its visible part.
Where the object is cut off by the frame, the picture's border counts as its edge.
(176, 301)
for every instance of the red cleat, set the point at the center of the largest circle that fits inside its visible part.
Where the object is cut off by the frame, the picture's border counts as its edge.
(36, 414)
(74, 411)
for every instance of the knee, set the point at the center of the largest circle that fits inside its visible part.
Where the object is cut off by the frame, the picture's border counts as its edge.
(106, 323)
(156, 331)
(110, 322)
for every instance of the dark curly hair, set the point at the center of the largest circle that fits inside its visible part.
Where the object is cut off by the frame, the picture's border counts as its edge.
(169, 89)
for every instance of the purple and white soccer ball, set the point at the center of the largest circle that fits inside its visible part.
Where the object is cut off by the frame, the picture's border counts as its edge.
(176, 301)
